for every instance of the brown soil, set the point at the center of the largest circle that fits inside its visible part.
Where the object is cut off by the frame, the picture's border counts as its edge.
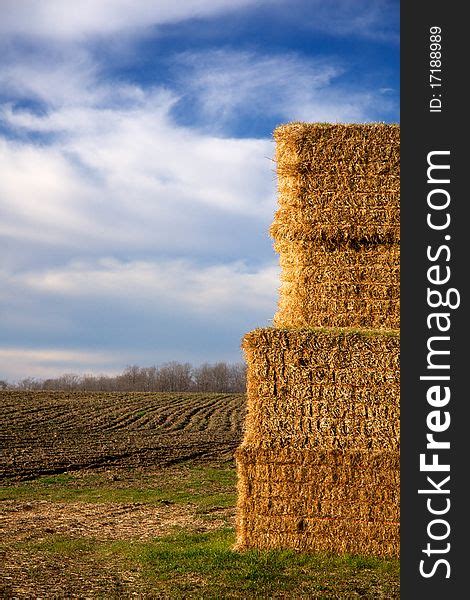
(55, 432)
(38, 520)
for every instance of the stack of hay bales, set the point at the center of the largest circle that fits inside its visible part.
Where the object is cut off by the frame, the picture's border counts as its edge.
(318, 469)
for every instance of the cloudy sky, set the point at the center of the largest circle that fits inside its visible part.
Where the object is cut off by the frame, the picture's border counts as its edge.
(137, 182)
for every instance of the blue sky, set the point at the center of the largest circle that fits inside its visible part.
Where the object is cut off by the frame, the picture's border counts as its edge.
(137, 180)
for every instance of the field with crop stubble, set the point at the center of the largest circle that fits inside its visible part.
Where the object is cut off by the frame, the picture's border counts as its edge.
(120, 495)
(53, 432)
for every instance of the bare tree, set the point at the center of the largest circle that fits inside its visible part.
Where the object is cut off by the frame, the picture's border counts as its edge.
(169, 377)
(203, 379)
(237, 378)
(174, 377)
(29, 383)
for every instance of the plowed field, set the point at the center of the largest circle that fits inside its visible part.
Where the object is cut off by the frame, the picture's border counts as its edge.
(118, 495)
(54, 432)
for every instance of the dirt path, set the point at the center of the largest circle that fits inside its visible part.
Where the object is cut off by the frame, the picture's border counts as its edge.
(74, 571)
(37, 520)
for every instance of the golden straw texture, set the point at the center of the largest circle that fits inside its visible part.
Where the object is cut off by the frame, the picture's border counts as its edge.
(337, 230)
(343, 287)
(318, 468)
(325, 389)
(338, 182)
(318, 500)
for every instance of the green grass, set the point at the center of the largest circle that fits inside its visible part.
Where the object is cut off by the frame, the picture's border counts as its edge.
(187, 563)
(203, 486)
(205, 565)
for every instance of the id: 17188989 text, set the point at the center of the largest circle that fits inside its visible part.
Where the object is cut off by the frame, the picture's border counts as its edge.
(435, 68)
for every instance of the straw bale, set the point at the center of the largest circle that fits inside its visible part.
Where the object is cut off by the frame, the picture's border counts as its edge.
(318, 500)
(336, 227)
(324, 389)
(338, 536)
(318, 469)
(338, 182)
(339, 287)
(328, 483)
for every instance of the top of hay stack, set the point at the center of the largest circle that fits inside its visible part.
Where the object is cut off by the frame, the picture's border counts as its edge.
(338, 182)
(349, 145)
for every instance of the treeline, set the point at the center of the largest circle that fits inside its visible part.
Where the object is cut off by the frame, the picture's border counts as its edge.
(169, 377)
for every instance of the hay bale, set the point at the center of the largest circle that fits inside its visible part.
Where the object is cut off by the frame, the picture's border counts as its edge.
(338, 536)
(325, 389)
(338, 287)
(338, 182)
(337, 229)
(335, 501)
(356, 484)
(319, 464)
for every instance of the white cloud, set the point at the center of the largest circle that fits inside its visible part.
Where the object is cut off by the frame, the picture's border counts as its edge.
(231, 85)
(62, 75)
(127, 173)
(20, 362)
(74, 20)
(217, 290)
(36, 187)
(226, 81)
(372, 19)
(143, 312)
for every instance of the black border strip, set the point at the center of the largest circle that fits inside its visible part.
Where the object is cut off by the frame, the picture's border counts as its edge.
(423, 131)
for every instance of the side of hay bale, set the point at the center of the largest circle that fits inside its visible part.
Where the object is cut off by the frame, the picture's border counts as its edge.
(337, 229)
(322, 389)
(338, 287)
(338, 182)
(317, 501)
(318, 469)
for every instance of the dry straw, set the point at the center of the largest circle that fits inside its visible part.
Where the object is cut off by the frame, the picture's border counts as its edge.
(317, 500)
(341, 287)
(322, 388)
(338, 182)
(337, 229)
(318, 469)
(319, 464)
